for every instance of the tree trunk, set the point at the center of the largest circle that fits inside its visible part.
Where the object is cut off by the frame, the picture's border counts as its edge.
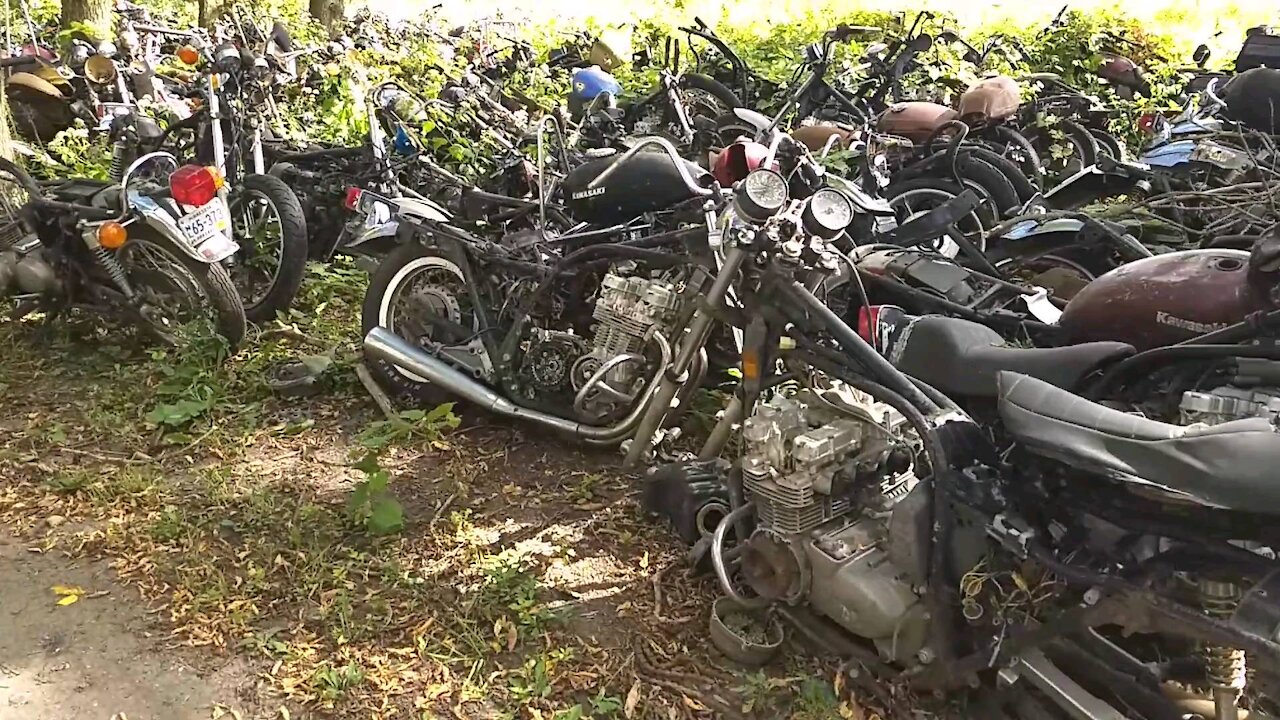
(95, 13)
(202, 13)
(326, 12)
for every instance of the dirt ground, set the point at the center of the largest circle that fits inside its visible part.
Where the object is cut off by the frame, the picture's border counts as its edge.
(103, 656)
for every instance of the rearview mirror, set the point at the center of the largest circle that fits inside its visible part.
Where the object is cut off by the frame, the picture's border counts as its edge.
(1201, 55)
(921, 42)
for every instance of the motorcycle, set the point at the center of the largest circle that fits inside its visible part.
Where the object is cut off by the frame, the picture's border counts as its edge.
(569, 331)
(878, 519)
(227, 134)
(120, 249)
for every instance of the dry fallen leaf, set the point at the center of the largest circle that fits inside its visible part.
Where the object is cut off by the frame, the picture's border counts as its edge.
(68, 599)
(633, 699)
(284, 713)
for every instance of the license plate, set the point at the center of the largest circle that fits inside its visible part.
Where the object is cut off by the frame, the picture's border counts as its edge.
(203, 223)
(208, 229)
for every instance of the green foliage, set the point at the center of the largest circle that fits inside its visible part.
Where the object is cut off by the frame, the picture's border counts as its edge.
(193, 378)
(371, 504)
(333, 682)
(426, 426)
(74, 152)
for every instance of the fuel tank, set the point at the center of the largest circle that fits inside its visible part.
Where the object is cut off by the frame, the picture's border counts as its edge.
(914, 120)
(1164, 300)
(647, 182)
(992, 99)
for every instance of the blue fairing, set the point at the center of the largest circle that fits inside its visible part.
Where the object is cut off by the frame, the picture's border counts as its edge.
(1033, 228)
(402, 142)
(1170, 155)
(592, 82)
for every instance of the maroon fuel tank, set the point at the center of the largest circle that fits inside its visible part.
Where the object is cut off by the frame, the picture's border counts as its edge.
(1164, 300)
(914, 120)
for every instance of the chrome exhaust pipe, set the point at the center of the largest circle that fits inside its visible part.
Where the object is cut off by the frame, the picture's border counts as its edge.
(382, 344)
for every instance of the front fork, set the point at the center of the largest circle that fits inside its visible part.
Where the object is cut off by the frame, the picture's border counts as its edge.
(677, 373)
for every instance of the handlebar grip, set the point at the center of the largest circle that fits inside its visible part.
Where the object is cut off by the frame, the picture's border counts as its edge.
(698, 21)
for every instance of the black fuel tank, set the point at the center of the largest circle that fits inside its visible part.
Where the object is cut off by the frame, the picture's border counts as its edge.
(646, 182)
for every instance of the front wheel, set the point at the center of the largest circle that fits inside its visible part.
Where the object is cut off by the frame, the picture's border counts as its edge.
(175, 290)
(267, 220)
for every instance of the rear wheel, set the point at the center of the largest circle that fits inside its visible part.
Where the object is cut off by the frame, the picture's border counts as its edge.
(176, 290)
(267, 220)
(413, 292)
(1108, 145)
(1018, 149)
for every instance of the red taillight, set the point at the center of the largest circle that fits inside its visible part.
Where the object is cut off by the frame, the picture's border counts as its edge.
(1147, 122)
(194, 185)
(353, 198)
(868, 317)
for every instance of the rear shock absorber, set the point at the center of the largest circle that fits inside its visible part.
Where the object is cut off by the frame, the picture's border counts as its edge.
(1225, 668)
(114, 269)
(119, 154)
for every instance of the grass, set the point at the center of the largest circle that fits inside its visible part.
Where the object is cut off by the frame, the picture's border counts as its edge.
(520, 585)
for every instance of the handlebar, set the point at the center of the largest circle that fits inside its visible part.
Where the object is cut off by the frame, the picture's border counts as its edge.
(19, 60)
(166, 31)
(670, 150)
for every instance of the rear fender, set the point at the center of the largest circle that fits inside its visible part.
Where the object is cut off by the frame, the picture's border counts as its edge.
(162, 219)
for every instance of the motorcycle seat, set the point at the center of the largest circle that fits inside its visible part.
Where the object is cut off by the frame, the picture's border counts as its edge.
(962, 358)
(1230, 465)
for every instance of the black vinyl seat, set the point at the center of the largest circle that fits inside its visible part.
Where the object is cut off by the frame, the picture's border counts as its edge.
(1232, 465)
(962, 358)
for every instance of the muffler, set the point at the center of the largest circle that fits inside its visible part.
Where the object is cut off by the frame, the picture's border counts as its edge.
(382, 344)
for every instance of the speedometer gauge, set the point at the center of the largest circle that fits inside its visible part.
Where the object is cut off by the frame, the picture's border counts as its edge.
(828, 213)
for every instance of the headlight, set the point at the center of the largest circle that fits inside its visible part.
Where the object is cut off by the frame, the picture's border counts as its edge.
(761, 195)
(828, 213)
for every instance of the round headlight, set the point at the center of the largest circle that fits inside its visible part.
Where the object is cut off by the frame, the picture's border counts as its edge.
(828, 213)
(761, 195)
(226, 58)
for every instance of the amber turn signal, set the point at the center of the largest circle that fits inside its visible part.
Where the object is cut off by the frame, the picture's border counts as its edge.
(112, 235)
(188, 55)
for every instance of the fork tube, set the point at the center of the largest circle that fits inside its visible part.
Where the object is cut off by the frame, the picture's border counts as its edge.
(676, 374)
(215, 117)
(259, 164)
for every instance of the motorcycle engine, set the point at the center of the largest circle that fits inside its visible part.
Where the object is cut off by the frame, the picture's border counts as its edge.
(607, 371)
(1253, 390)
(837, 524)
(24, 267)
(1227, 403)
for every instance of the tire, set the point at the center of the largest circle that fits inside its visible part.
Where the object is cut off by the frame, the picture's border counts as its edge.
(219, 292)
(1023, 187)
(1108, 145)
(999, 192)
(294, 248)
(1029, 164)
(711, 86)
(1084, 149)
(385, 282)
(938, 190)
